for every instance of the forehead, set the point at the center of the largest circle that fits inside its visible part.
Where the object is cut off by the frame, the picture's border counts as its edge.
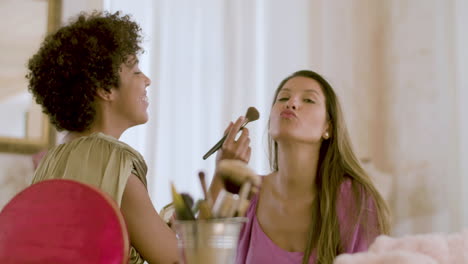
(302, 84)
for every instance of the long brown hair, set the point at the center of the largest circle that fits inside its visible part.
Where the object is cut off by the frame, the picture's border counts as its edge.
(337, 162)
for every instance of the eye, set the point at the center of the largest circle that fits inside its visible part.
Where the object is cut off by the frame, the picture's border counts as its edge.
(307, 100)
(137, 72)
(282, 99)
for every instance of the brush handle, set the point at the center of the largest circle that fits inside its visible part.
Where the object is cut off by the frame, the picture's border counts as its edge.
(221, 141)
(225, 205)
(245, 189)
(243, 203)
(215, 148)
(208, 200)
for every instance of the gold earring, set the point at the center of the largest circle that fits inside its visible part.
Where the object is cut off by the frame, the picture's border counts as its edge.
(326, 135)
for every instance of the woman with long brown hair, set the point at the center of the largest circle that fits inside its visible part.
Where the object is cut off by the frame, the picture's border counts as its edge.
(318, 202)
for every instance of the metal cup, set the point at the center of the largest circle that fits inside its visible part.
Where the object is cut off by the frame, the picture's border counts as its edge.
(211, 241)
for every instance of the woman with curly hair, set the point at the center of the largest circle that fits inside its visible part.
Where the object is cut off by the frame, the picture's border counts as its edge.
(317, 202)
(87, 79)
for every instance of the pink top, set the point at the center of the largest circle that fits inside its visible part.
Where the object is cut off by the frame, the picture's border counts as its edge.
(256, 247)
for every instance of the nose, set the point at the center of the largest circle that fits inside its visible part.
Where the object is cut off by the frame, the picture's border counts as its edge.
(147, 81)
(291, 104)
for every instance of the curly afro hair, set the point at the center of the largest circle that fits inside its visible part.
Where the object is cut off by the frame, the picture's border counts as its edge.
(75, 61)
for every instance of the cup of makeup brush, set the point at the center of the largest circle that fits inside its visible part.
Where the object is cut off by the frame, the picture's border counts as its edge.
(210, 241)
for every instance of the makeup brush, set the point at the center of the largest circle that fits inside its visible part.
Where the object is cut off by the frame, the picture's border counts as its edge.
(236, 172)
(201, 176)
(204, 210)
(243, 203)
(204, 207)
(225, 205)
(182, 209)
(251, 115)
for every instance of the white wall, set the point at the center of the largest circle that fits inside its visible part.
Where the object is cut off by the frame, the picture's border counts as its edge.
(461, 55)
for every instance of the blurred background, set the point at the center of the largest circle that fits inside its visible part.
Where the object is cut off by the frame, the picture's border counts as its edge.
(399, 67)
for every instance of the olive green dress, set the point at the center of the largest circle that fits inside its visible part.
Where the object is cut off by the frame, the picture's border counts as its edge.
(99, 160)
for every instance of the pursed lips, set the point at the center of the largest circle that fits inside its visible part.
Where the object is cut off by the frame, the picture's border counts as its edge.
(288, 114)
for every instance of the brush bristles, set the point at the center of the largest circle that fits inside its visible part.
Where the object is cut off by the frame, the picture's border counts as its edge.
(238, 172)
(252, 114)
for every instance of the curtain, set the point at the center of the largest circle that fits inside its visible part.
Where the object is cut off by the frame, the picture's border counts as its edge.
(209, 61)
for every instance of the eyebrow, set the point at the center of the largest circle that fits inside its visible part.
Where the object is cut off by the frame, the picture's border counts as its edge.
(307, 91)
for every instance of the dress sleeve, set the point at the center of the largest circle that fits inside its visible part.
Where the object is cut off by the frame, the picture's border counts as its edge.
(358, 224)
(119, 161)
(99, 160)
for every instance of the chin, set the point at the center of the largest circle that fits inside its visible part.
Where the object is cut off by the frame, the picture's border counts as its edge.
(289, 136)
(144, 117)
(140, 120)
(143, 121)
(283, 131)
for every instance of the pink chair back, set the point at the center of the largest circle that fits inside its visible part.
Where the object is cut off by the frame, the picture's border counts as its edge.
(62, 221)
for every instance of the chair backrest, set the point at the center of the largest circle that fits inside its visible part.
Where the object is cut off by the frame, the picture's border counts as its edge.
(62, 221)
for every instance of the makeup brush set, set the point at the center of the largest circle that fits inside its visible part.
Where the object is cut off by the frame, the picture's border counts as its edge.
(227, 204)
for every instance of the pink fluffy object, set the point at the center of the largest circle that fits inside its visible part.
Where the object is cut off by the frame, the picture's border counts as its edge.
(436, 248)
(392, 257)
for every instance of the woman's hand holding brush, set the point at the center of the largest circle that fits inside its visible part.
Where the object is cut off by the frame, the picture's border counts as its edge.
(228, 146)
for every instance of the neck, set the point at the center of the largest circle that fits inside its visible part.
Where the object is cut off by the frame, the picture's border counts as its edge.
(297, 169)
(100, 125)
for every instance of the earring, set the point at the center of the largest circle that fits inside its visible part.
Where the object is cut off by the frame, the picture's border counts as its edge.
(326, 135)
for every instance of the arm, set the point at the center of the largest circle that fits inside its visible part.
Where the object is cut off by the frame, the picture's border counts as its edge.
(232, 149)
(150, 236)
